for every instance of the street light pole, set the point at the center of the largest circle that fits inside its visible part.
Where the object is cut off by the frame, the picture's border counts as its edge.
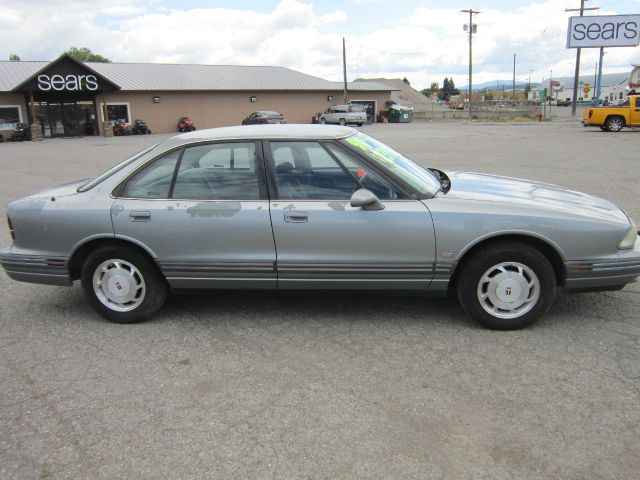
(471, 13)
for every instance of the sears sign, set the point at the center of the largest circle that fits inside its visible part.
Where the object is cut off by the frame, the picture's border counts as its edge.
(605, 31)
(70, 83)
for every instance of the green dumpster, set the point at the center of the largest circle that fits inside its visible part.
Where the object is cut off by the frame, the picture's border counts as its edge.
(400, 114)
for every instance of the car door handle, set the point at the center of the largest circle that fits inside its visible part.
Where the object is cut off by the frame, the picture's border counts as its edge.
(139, 216)
(296, 217)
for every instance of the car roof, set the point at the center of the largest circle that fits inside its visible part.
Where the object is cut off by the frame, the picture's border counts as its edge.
(251, 132)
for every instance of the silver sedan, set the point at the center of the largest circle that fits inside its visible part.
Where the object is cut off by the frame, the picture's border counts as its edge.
(315, 207)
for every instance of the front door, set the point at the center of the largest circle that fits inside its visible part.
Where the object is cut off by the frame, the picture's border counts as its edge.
(323, 242)
(203, 212)
(635, 112)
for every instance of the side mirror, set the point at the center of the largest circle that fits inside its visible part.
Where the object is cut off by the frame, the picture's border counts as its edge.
(366, 199)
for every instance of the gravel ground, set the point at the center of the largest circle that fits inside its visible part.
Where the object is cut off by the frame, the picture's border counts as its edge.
(256, 385)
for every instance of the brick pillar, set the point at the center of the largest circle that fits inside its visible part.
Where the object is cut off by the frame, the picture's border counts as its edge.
(107, 129)
(36, 132)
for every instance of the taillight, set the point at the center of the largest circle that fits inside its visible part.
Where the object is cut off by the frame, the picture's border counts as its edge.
(11, 232)
(590, 113)
(350, 108)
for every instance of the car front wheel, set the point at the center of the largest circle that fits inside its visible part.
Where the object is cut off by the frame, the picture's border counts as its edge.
(506, 286)
(123, 285)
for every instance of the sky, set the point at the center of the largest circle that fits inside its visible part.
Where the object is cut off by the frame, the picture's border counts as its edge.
(423, 40)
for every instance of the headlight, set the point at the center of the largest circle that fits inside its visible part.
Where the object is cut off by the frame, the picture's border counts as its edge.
(629, 239)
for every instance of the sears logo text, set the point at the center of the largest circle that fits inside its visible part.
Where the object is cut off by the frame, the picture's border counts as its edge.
(71, 83)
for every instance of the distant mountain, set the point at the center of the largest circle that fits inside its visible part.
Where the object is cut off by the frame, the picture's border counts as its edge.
(495, 85)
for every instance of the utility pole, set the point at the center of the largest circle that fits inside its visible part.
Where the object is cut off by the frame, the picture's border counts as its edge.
(599, 78)
(514, 78)
(344, 68)
(472, 29)
(577, 72)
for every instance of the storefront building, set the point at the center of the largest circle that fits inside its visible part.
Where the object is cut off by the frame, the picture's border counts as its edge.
(71, 98)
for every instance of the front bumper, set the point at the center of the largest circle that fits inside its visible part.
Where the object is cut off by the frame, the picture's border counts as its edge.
(35, 268)
(603, 273)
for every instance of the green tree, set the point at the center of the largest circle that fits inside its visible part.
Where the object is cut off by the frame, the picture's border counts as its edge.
(406, 80)
(448, 89)
(14, 57)
(85, 55)
(527, 89)
(434, 88)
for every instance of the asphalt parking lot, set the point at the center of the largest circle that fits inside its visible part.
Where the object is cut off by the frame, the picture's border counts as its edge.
(256, 385)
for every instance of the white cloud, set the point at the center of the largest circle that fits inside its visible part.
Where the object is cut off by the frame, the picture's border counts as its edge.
(427, 45)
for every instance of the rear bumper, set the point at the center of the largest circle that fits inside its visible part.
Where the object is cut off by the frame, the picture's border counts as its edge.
(36, 269)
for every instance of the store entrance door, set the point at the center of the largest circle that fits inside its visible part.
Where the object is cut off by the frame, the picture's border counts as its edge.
(67, 119)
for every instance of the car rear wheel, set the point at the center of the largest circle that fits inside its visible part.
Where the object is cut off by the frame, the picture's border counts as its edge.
(123, 285)
(323, 121)
(506, 286)
(343, 122)
(614, 124)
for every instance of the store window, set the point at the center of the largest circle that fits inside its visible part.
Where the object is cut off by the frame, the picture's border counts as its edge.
(9, 116)
(118, 111)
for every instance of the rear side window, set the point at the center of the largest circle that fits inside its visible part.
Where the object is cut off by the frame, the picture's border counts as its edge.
(154, 181)
(218, 172)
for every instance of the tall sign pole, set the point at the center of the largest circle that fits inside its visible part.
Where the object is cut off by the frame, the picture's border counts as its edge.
(471, 13)
(514, 78)
(576, 75)
(344, 68)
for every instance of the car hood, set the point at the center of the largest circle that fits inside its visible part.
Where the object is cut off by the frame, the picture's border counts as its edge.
(494, 188)
(65, 189)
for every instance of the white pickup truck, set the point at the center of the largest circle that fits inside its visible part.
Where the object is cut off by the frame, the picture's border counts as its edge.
(345, 114)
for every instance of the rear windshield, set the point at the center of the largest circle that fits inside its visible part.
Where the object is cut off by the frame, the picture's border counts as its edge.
(100, 178)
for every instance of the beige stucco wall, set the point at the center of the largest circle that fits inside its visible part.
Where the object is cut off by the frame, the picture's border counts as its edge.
(217, 109)
(13, 99)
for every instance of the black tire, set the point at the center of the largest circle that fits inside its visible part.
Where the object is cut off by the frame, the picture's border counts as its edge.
(604, 129)
(343, 122)
(151, 286)
(323, 121)
(614, 123)
(359, 124)
(503, 265)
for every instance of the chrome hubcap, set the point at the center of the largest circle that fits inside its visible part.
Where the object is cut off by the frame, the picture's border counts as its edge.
(119, 285)
(508, 290)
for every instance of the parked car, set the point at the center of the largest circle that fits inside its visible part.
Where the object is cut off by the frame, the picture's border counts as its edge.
(341, 209)
(121, 127)
(264, 117)
(185, 124)
(345, 114)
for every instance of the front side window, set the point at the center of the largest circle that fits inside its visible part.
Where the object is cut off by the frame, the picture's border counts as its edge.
(224, 171)
(305, 171)
(387, 159)
(365, 176)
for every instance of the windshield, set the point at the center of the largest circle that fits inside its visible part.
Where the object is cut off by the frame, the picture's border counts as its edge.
(95, 181)
(418, 178)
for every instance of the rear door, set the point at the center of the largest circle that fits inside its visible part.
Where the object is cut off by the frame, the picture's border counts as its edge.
(323, 242)
(203, 212)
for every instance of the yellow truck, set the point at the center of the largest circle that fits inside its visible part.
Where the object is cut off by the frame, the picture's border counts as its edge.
(613, 119)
